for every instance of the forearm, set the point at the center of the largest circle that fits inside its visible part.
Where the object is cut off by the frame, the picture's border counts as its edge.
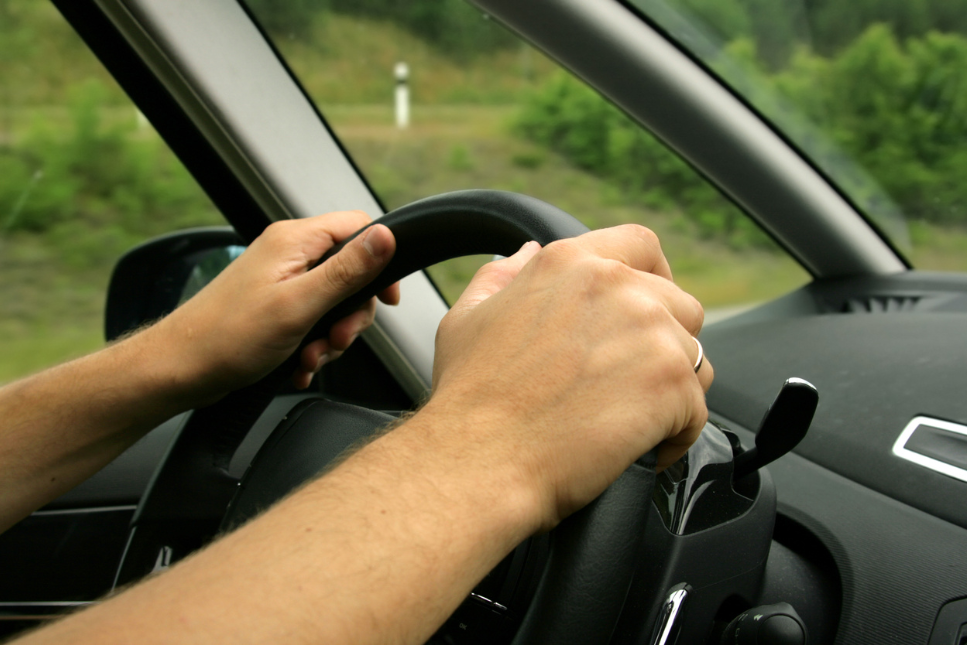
(381, 550)
(62, 425)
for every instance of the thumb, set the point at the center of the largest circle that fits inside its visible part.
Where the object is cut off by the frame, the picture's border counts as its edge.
(349, 270)
(494, 276)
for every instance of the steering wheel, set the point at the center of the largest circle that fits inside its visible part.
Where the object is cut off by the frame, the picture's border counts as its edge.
(592, 554)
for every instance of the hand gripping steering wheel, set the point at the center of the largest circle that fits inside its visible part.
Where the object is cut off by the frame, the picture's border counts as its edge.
(593, 553)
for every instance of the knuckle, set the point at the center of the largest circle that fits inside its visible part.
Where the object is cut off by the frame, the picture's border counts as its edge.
(708, 374)
(558, 252)
(652, 310)
(700, 409)
(342, 273)
(644, 234)
(276, 230)
(611, 272)
(361, 218)
(699, 310)
(489, 269)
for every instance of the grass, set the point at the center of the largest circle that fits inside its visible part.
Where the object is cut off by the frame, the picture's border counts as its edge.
(937, 248)
(51, 311)
(456, 147)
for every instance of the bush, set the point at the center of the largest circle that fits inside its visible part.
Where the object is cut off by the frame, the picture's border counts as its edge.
(897, 109)
(880, 113)
(91, 172)
(572, 119)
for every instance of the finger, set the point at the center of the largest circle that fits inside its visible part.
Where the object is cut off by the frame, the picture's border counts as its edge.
(699, 360)
(314, 356)
(634, 245)
(313, 236)
(390, 295)
(344, 332)
(682, 305)
(494, 276)
(706, 374)
(311, 360)
(322, 232)
(343, 274)
(675, 446)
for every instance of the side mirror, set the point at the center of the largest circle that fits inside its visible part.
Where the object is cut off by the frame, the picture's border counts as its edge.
(152, 279)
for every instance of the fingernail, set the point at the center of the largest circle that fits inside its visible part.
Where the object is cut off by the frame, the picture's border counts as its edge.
(322, 361)
(376, 244)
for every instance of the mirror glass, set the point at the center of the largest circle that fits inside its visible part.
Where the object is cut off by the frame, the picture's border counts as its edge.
(208, 264)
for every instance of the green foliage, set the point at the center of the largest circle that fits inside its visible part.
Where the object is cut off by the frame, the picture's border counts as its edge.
(453, 26)
(778, 29)
(894, 109)
(460, 159)
(837, 23)
(898, 109)
(574, 120)
(95, 185)
(529, 159)
(288, 19)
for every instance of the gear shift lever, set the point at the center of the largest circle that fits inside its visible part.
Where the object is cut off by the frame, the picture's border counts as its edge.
(783, 427)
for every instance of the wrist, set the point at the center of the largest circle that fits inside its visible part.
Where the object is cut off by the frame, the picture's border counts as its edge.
(170, 359)
(475, 447)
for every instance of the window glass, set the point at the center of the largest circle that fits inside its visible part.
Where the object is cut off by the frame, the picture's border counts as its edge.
(874, 92)
(486, 110)
(83, 178)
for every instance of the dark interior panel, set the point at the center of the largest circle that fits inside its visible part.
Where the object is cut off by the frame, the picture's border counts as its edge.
(893, 586)
(874, 372)
(62, 556)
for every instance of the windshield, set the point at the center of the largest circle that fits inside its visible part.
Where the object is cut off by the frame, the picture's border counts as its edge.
(874, 93)
(430, 96)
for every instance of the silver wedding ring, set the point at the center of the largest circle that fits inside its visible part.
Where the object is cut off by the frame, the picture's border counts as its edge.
(701, 356)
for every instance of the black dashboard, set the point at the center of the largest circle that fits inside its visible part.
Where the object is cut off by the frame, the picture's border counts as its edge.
(868, 546)
(882, 352)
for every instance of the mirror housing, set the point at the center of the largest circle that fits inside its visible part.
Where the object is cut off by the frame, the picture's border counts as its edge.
(152, 279)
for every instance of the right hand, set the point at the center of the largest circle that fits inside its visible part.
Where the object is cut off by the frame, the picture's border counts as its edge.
(568, 363)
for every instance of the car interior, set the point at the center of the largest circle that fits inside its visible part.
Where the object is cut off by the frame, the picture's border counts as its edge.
(825, 499)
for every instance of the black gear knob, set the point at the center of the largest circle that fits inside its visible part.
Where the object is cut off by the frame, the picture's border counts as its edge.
(783, 426)
(777, 624)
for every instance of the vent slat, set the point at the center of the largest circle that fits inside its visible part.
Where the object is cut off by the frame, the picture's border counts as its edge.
(878, 304)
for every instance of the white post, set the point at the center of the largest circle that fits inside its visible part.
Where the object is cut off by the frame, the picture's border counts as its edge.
(402, 73)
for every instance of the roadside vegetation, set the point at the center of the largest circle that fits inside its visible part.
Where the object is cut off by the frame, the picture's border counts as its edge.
(83, 177)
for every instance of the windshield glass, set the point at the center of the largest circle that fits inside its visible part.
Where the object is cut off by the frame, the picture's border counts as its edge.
(430, 96)
(874, 93)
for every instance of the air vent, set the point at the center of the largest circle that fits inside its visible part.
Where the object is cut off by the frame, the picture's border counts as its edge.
(879, 304)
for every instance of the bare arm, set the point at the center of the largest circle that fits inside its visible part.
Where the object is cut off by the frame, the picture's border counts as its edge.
(60, 426)
(547, 386)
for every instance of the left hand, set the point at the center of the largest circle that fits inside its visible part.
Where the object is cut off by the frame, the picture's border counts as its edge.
(256, 312)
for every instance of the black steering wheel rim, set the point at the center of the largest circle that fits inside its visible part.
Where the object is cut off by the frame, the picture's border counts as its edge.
(593, 553)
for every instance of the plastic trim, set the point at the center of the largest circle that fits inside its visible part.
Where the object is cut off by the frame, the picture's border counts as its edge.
(901, 451)
(225, 76)
(80, 511)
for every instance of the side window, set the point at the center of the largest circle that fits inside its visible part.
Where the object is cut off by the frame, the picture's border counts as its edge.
(83, 178)
(486, 110)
